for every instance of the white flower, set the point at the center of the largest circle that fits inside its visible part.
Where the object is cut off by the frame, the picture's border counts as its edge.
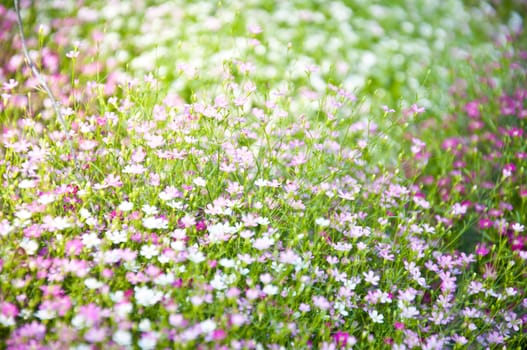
(26, 184)
(218, 282)
(341, 308)
(149, 251)
(122, 337)
(145, 296)
(45, 314)
(262, 221)
(263, 243)
(178, 245)
(5, 228)
(78, 322)
(376, 317)
(165, 279)
(61, 223)
(134, 169)
(261, 182)
(82, 347)
(179, 234)
(90, 240)
(30, 246)
(220, 232)
(371, 278)
(7, 321)
(112, 256)
(517, 227)
(322, 222)
(226, 262)
(144, 325)
(352, 283)
(165, 196)
(155, 223)
(459, 209)
(92, 283)
(91, 221)
(46, 198)
(270, 289)
(200, 182)
(122, 310)
(117, 296)
(207, 326)
(266, 278)
(195, 255)
(149, 210)
(407, 311)
(85, 214)
(23, 214)
(147, 342)
(163, 259)
(125, 206)
(117, 237)
(175, 205)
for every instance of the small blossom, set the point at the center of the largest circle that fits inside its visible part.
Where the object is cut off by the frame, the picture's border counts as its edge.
(376, 317)
(147, 297)
(72, 54)
(200, 182)
(149, 251)
(322, 222)
(263, 243)
(30, 246)
(371, 278)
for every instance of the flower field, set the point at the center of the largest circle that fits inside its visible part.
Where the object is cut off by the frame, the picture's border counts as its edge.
(301, 174)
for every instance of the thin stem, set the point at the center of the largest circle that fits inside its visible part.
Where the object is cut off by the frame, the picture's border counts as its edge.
(43, 83)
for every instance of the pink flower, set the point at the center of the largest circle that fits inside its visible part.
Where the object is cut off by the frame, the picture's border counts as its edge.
(472, 109)
(74, 247)
(95, 335)
(481, 249)
(254, 29)
(485, 223)
(321, 302)
(8, 309)
(201, 225)
(219, 334)
(509, 169)
(289, 257)
(304, 307)
(10, 85)
(416, 109)
(238, 319)
(398, 325)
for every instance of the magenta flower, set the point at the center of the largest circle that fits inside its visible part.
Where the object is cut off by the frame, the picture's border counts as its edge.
(341, 338)
(481, 249)
(219, 334)
(485, 223)
(398, 325)
(201, 225)
(472, 109)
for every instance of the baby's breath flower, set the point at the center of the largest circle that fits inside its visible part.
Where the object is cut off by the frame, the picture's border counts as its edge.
(322, 222)
(149, 251)
(30, 246)
(122, 337)
(145, 296)
(376, 317)
(125, 206)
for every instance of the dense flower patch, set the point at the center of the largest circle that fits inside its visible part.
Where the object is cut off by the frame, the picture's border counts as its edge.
(226, 205)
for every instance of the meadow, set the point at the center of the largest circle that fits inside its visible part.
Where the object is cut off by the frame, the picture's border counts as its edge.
(302, 174)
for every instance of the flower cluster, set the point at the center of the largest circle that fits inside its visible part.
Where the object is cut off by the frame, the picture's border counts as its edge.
(252, 201)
